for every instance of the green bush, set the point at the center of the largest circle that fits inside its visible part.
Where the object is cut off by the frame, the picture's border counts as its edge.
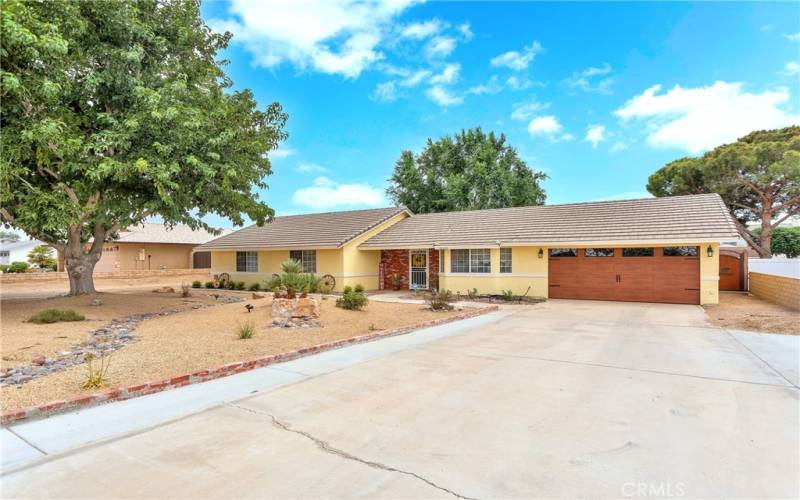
(18, 267)
(352, 299)
(239, 285)
(441, 300)
(245, 330)
(508, 295)
(255, 287)
(786, 240)
(472, 293)
(272, 283)
(209, 284)
(196, 284)
(56, 315)
(4, 268)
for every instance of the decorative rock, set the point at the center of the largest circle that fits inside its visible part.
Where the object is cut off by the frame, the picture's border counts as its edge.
(39, 360)
(258, 295)
(164, 289)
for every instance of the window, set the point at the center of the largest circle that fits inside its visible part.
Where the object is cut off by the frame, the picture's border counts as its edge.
(308, 258)
(599, 252)
(505, 260)
(680, 251)
(246, 262)
(637, 252)
(476, 260)
(5, 253)
(441, 261)
(563, 252)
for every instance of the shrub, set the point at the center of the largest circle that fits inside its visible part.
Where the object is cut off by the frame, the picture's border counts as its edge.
(245, 330)
(4, 268)
(472, 293)
(255, 287)
(786, 240)
(352, 299)
(441, 300)
(96, 375)
(185, 290)
(196, 284)
(273, 283)
(209, 284)
(239, 285)
(42, 257)
(18, 267)
(507, 295)
(55, 315)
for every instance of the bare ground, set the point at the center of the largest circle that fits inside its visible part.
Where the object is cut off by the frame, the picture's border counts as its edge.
(742, 311)
(198, 339)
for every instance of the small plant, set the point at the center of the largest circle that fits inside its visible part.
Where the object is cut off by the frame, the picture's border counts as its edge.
(55, 315)
(185, 290)
(197, 284)
(4, 268)
(239, 285)
(441, 300)
(272, 283)
(97, 301)
(472, 293)
(352, 299)
(255, 287)
(507, 295)
(245, 330)
(396, 281)
(209, 284)
(96, 374)
(18, 267)
(373, 328)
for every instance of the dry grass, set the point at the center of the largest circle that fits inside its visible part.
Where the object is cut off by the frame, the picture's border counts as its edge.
(746, 312)
(206, 338)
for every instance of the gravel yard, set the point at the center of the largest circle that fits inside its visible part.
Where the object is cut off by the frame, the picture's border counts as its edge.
(741, 311)
(183, 342)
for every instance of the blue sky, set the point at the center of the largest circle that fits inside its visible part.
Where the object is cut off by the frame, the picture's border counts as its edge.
(598, 95)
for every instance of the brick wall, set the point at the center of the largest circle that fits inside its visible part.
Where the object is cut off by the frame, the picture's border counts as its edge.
(433, 267)
(396, 262)
(777, 289)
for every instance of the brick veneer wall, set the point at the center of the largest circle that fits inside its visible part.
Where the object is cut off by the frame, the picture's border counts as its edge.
(777, 289)
(396, 262)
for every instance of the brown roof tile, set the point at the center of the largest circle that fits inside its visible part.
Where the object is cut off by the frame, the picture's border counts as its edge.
(697, 218)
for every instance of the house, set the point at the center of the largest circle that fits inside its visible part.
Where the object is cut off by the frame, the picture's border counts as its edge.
(154, 246)
(17, 251)
(648, 250)
(325, 243)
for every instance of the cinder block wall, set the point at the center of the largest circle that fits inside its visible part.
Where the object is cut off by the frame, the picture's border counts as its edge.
(777, 289)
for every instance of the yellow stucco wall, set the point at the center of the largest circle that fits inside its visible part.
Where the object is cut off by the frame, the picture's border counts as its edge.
(527, 270)
(709, 275)
(120, 256)
(361, 267)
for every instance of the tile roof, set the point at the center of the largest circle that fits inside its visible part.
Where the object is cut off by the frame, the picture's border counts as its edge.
(323, 230)
(695, 218)
(159, 233)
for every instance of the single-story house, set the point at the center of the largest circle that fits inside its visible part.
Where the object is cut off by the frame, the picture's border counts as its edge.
(150, 246)
(648, 250)
(17, 251)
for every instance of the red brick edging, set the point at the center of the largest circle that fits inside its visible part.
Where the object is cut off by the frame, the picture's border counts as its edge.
(134, 391)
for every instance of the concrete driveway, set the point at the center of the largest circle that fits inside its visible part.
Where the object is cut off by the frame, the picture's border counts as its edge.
(562, 399)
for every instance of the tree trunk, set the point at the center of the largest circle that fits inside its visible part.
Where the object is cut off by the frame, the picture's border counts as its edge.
(80, 261)
(766, 234)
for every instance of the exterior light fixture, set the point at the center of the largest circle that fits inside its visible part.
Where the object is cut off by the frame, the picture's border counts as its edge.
(541, 253)
(710, 251)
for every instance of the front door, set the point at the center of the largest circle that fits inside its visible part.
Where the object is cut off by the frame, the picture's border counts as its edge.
(419, 269)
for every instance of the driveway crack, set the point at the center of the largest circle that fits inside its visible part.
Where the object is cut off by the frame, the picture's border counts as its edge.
(327, 448)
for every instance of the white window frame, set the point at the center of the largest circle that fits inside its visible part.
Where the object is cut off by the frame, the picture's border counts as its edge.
(507, 261)
(471, 264)
(250, 262)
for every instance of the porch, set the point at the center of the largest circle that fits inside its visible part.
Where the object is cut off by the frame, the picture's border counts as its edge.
(410, 269)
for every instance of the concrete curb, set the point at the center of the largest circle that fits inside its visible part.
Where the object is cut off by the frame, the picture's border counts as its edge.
(196, 377)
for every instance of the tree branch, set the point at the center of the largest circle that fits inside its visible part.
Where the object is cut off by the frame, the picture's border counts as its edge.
(787, 203)
(7, 216)
(788, 215)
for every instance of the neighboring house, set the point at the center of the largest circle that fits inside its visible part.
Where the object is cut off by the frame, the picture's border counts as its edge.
(17, 251)
(647, 250)
(154, 246)
(325, 243)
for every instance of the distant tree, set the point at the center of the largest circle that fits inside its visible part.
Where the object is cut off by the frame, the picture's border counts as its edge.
(758, 176)
(9, 236)
(786, 240)
(115, 111)
(42, 256)
(472, 170)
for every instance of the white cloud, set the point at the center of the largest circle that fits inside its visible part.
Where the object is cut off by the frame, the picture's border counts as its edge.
(310, 168)
(516, 83)
(548, 126)
(384, 92)
(422, 30)
(697, 119)
(335, 36)
(517, 60)
(282, 152)
(325, 193)
(794, 37)
(442, 96)
(526, 110)
(439, 47)
(592, 79)
(448, 75)
(466, 31)
(415, 78)
(596, 134)
(491, 87)
(791, 68)
(618, 146)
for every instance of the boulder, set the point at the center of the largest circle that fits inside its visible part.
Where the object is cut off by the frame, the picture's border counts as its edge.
(258, 296)
(164, 289)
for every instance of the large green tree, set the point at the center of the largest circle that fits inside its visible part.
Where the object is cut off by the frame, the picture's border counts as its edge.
(472, 170)
(115, 111)
(758, 176)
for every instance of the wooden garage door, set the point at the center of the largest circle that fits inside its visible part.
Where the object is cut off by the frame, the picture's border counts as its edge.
(669, 274)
